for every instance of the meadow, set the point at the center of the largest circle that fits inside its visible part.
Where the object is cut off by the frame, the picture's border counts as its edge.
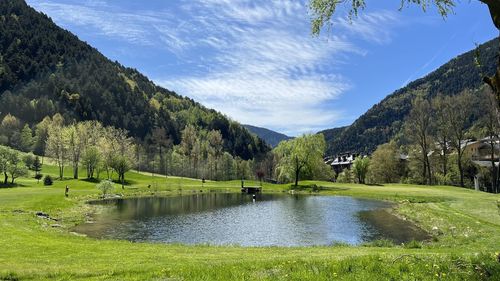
(464, 224)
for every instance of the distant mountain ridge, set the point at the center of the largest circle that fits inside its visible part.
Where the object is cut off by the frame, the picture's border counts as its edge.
(45, 70)
(269, 136)
(385, 120)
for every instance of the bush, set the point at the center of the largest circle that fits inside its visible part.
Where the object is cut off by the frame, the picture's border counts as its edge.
(38, 177)
(47, 180)
(105, 186)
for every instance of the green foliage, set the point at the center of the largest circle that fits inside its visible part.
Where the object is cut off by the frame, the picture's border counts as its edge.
(323, 10)
(360, 168)
(300, 156)
(38, 177)
(29, 160)
(465, 249)
(91, 160)
(106, 187)
(385, 121)
(67, 76)
(11, 165)
(345, 176)
(47, 180)
(386, 166)
(413, 245)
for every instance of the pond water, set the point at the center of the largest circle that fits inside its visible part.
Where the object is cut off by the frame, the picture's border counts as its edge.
(232, 218)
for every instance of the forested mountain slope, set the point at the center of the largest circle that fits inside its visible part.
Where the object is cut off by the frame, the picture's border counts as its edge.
(385, 120)
(46, 70)
(269, 136)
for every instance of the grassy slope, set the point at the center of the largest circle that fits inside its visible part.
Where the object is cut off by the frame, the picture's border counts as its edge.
(30, 248)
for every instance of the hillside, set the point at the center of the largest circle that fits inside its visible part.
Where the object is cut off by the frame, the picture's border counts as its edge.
(385, 120)
(46, 70)
(269, 136)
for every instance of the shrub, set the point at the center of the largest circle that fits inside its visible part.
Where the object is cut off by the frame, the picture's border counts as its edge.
(105, 186)
(38, 177)
(47, 180)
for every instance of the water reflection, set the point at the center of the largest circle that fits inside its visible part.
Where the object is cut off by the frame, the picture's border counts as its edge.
(229, 218)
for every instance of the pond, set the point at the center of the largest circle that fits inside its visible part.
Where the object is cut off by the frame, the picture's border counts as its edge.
(236, 219)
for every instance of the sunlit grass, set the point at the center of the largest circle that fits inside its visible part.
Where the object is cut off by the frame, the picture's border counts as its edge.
(464, 223)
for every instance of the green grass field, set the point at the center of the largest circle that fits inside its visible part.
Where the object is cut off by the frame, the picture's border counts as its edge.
(465, 225)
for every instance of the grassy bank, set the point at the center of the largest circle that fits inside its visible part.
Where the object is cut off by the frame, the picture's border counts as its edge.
(465, 226)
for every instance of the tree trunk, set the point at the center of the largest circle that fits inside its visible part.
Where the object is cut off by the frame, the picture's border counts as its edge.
(123, 180)
(460, 169)
(424, 170)
(297, 171)
(493, 169)
(445, 157)
(75, 172)
(6, 178)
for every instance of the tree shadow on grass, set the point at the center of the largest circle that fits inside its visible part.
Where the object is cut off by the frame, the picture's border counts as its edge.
(93, 180)
(11, 185)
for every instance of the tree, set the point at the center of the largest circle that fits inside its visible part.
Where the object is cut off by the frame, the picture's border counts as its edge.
(37, 167)
(162, 143)
(345, 176)
(10, 164)
(10, 128)
(360, 168)
(123, 153)
(16, 169)
(41, 135)
(91, 159)
(304, 152)
(419, 129)
(385, 166)
(189, 139)
(77, 135)
(440, 107)
(323, 11)
(227, 166)
(121, 165)
(242, 168)
(57, 146)
(29, 160)
(6, 156)
(26, 139)
(458, 115)
(489, 127)
(215, 151)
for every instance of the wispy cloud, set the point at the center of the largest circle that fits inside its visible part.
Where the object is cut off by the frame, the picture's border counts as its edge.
(259, 63)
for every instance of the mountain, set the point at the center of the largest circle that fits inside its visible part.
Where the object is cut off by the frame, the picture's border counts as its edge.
(46, 70)
(385, 120)
(270, 137)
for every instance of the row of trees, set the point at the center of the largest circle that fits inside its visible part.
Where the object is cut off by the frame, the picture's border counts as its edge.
(90, 145)
(434, 146)
(99, 149)
(200, 154)
(440, 129)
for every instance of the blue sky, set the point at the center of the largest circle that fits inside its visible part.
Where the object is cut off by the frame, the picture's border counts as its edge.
(256, 61)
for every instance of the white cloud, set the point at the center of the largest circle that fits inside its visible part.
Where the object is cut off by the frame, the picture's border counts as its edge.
(262, 65)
